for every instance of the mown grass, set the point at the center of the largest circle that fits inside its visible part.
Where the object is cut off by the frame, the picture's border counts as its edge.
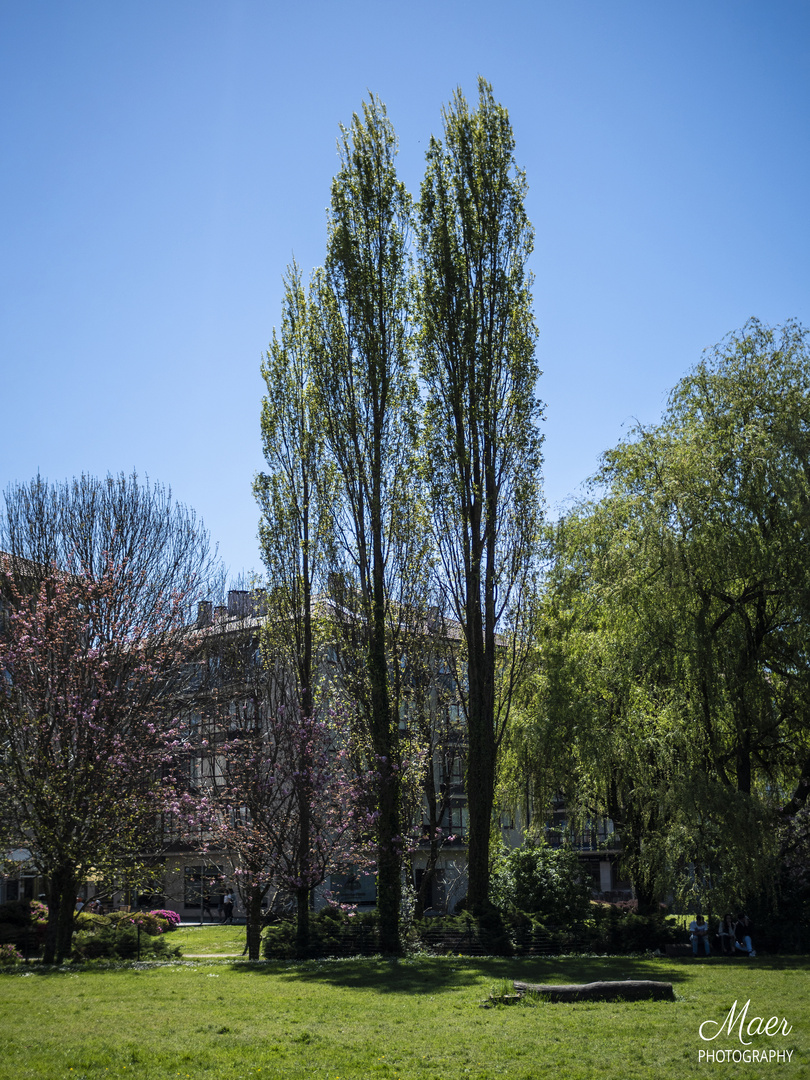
(416, 1019)
(209, 940)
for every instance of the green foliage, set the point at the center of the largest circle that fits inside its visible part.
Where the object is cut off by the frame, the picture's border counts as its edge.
(23, 924)
(544, 881)
(16, 913)
(115, 936)
(482, 453)
(111, 937)
(595, 929)
(674, 687)
(332, 932)
(611, 931)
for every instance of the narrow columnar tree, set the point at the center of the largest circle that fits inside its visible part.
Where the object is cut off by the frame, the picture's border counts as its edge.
(366, 396)
(482, 446)
(293, 495)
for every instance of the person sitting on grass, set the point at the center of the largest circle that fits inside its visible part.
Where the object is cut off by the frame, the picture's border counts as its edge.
(742, 936)
(725, 933)
(699, 931)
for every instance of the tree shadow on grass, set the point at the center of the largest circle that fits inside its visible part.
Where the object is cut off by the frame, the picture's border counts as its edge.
(432, 975)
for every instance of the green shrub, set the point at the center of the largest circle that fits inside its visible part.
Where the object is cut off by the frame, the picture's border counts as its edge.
(614, 931)
(148, 923)
(332, 932)
(88, 920)
(16, 913)
(544, 881)
(115, 936)
(520, 933)
(23, 924)
(492, 932)
(120, 942)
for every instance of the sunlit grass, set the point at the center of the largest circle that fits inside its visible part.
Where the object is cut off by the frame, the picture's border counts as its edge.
(209, 940)
(416, 1019)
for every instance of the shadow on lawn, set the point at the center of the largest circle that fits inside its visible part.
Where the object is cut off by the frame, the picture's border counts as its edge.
(432, 975)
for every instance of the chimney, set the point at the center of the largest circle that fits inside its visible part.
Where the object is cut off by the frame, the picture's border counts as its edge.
(220, 613)
(239, 602)
(204, 613)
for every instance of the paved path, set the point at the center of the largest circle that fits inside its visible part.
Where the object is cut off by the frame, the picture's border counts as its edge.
(210, 955)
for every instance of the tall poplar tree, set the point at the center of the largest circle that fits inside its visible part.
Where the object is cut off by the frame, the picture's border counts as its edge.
(366, 402)
(482, 446)
(291, 495)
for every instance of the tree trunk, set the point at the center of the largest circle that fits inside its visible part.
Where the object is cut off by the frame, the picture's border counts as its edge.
(480, 761)
(302, 920)
(628, 990)
(62, 888)
(389, 861)
(389, 841)
(480, 798)
(303, 857)
(253, 930)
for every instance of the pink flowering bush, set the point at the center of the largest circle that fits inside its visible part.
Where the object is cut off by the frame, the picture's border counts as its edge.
(39, 912)
(9, 956)
(170, 917)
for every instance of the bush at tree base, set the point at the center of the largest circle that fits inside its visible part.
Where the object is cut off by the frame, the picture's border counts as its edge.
(149, 922)
(114, 936)
(332, 932)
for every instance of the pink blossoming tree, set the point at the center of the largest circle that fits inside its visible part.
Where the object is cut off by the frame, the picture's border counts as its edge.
(96, 582)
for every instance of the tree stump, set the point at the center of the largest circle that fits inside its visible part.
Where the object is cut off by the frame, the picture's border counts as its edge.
(629, 990)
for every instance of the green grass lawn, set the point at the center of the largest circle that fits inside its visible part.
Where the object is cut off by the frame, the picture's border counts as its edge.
(416, 1019)
(209, 940)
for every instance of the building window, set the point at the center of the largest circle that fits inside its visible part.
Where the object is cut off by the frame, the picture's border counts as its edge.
(353, 888)
(202, 881)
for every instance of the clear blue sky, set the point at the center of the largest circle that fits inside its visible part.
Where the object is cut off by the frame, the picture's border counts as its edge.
(163, 162)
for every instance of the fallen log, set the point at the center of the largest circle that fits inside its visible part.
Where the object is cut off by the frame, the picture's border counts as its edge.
(629, 990)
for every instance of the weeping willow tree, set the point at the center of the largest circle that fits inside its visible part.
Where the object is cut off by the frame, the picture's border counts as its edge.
(674, 681)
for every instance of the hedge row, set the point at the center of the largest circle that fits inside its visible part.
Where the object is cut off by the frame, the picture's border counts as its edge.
(335, 933)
